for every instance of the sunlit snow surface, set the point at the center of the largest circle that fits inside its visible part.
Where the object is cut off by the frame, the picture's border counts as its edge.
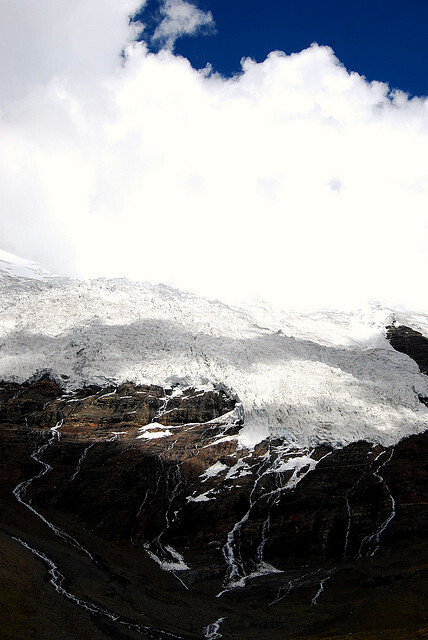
(11, 265)
(315, 377)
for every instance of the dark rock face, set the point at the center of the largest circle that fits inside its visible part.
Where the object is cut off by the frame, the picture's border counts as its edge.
(142, 476)
(18, 402)
(410, 342)
(43, 403)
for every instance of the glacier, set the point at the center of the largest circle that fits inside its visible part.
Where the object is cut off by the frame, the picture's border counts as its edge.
(310, 377)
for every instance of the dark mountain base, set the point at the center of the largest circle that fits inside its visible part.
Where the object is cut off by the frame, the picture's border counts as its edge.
(97, 508)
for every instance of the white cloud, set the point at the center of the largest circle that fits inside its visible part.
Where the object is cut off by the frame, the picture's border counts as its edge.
(181, 19)
(81, 39)
(297, 179)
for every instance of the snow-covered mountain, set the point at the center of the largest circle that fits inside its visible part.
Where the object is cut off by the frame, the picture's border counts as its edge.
(192, 470)
(321, 377)
(16, 267)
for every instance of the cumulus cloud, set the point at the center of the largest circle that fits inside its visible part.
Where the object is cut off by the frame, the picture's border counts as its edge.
(297, 180)
(180, 19)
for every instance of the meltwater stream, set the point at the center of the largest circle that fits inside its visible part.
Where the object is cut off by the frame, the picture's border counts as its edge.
(212, 631)
(57, 579)
(371, 543)
(285, 459)
(81, 460)
(21, 489)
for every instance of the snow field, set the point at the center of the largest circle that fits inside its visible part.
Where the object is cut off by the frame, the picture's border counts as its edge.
(310, 377)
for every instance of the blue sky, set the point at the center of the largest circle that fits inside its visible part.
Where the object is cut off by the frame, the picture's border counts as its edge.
(383, 40)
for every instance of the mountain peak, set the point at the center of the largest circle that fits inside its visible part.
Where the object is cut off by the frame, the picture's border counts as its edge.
(15, 267)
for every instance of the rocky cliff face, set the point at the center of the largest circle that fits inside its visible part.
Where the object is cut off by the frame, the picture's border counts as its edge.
(44, 404)
(410, 342)
(165, 526)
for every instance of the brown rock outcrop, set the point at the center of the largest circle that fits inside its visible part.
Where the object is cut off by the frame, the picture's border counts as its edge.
(155, 474)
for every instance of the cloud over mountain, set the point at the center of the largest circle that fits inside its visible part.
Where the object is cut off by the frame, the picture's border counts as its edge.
(297, 179)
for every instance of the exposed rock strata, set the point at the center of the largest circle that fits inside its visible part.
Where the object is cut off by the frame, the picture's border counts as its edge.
(159, 473)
